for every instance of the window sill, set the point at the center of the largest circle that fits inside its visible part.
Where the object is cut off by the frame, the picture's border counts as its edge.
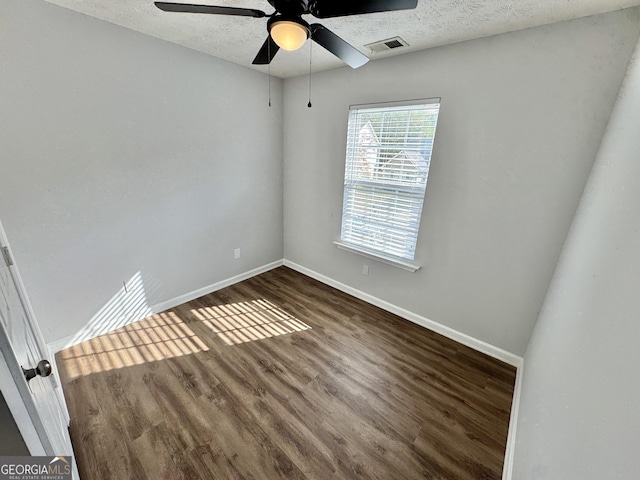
(396, 262)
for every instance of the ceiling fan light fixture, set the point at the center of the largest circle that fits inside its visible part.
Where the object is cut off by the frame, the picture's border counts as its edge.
(288, 35)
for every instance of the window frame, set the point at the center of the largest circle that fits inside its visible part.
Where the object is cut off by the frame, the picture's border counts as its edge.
(385, 182)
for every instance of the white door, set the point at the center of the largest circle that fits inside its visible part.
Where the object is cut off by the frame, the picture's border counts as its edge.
(37, 405)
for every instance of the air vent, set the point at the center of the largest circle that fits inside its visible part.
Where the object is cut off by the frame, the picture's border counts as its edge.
(386, 45)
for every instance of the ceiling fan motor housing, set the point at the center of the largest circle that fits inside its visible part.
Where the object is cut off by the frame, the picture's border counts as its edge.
(287, 18)
(291, 7)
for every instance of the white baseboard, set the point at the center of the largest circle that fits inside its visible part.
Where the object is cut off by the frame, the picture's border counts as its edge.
(187, 297)
(507, 470)
(463, 338)
(448, 332)
(60, 344)
(70, 340)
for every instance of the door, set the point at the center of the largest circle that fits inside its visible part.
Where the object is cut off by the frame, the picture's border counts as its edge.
(37, 405)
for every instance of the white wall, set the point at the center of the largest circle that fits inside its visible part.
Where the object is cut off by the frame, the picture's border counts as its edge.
(521, 119)
(579, 417)
(121, 153)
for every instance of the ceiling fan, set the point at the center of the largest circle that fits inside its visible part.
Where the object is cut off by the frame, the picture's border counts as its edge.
(287, 29)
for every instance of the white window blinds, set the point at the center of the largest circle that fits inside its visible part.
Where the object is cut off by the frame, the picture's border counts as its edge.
(388, 156)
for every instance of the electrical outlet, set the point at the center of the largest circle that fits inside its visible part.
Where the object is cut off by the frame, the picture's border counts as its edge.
(236, 253)
(365, 269)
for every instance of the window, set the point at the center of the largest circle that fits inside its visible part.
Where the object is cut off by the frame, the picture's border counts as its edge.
(388, 156)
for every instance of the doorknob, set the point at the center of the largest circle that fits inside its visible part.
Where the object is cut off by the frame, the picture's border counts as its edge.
(43, 369)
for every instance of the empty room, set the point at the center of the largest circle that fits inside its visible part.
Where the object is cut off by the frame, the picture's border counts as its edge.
(320, 240)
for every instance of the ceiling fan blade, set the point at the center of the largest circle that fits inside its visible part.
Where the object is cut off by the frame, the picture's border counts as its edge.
(340, 8)
(267, 52)
(191, 8)
(341, 49)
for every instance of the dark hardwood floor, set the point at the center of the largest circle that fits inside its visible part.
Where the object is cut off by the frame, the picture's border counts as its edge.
(282, 377)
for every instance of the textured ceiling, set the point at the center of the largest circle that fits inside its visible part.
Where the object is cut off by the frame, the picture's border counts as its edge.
(432, 23)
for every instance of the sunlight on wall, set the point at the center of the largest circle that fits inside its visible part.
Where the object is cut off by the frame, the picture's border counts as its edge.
(155, 338)
(248, 321)
(126, 306)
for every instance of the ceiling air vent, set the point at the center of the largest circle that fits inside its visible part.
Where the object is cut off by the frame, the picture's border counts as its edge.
(386, 45)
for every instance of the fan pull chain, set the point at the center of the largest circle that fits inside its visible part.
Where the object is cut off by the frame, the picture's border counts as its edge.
(269, 67)
(310, 50)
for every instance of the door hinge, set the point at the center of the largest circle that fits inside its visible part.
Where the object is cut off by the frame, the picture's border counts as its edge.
(7, 256)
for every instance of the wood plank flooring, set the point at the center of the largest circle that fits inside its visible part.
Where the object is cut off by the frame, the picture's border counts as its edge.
(282, 377)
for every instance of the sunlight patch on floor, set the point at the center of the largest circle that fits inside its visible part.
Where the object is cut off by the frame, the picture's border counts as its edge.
(155, 338)
(243, 322)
